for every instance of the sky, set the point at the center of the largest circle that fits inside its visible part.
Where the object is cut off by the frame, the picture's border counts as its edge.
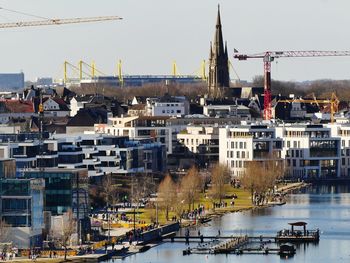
(154, 33)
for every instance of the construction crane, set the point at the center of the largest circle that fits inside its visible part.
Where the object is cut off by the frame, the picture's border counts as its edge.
(270, 56)
(54, 22)
(333, 102)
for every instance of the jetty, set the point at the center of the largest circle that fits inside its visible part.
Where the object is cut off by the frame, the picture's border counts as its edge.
(294, 235)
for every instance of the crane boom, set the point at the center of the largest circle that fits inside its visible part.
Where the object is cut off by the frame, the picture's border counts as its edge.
(333, 102)
(288, 54)
(269, 56)
(51, 22)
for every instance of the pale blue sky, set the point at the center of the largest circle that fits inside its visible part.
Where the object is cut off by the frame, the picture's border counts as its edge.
(156, 32)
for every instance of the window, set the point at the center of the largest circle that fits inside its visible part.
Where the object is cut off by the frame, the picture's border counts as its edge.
(238, 154)
(294, 163)
(296, 153)
(232, 145)
(241, 145)
(178, 111)
(288, 144)
(342, 161)
(243, 154)
(295, 144)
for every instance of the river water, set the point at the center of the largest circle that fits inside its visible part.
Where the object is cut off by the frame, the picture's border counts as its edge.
(325, 207)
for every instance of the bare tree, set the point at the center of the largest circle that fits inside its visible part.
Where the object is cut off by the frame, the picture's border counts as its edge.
(190, 187)
(167, 194)
(109, 193)
(260, 177)
(220, 175)
(69, 227)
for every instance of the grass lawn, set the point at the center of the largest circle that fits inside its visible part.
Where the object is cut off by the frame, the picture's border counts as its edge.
(242, 202)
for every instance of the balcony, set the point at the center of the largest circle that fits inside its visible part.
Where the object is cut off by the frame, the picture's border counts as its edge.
(323, 153)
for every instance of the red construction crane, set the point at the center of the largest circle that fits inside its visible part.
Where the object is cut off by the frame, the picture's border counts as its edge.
(269, 56)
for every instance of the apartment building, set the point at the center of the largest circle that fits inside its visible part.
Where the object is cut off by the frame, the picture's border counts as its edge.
(240, 144)
(22, 208)
(310, 150)
(342, 131)
(203, 141)
(167, 106)
(140, 128)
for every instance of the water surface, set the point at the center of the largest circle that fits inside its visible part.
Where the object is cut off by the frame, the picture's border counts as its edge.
(324, 207)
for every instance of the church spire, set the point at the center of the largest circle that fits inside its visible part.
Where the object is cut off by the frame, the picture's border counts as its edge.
(218, 19)
(218, 39)
(219, 79)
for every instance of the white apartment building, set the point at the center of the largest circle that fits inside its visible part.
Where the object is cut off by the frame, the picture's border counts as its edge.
(140, 127)
(241, 144)
(203, 141)
(310, 151)
(342, 131)
(167, 106)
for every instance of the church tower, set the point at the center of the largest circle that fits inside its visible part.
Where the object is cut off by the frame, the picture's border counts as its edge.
(219, 78)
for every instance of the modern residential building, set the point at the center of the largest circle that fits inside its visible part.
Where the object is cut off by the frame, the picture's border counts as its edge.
(342, 131)
(310, 150)
(22, 208)
(140, 128)
(203, 141)
(64, 189)
(240, 144)
(167, 106)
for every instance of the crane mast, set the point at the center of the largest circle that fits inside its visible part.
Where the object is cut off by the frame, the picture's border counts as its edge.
(270, 56)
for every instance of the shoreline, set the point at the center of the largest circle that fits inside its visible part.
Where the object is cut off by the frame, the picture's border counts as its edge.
(286, 189)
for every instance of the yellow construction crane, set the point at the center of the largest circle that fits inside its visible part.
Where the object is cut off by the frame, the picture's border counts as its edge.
(44, 21)
(333, 102)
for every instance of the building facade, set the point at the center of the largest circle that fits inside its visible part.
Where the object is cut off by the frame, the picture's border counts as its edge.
(242, 144)
(22, 208)
(203, 141)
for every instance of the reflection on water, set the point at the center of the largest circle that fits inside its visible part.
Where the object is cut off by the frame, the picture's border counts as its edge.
(325, 207)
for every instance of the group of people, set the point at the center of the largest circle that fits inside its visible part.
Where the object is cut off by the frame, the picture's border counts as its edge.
(7, 256)
(33, 254)
(196, 213)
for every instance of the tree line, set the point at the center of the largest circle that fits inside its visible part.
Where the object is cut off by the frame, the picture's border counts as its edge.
(181, 196)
